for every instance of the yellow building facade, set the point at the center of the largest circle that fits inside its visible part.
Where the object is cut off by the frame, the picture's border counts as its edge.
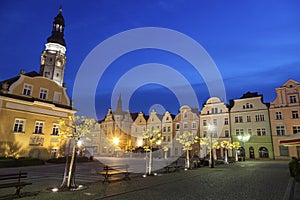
(31, 104)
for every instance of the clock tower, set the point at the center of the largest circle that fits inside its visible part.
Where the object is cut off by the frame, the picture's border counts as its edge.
(53, 58)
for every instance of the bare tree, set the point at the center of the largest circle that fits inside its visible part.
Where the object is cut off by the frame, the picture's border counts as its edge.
(77, 127)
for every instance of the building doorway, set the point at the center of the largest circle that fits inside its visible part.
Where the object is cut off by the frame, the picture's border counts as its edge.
(251, 153)
(263, 152)
(241, 154)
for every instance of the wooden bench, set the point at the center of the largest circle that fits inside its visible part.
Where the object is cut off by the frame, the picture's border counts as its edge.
(14, 180)
(109, 171)
(173, 166)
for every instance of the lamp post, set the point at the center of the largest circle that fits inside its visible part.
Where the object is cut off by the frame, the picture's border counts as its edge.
(243, 139)
(211, 155)
(116, 142)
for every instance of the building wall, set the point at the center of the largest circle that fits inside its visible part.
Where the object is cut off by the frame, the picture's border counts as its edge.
(185, 121)
(281, 117)
(251, 116)
(38, 145)
(215, 115)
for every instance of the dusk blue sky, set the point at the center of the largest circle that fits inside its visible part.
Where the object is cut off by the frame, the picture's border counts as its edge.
(255, 44)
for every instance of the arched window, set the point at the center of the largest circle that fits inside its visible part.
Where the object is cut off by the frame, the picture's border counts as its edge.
(263, 152)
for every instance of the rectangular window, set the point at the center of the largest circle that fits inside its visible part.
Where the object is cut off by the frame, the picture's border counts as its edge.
(38, 127)
(258, 132)
(238, 119)
(293, 99)
(43, 93)
(295, 114)
(250, 131)
(263, 132)
(27, 90)
(169, 128)
(164, 138)
(284, 151)
(280, 130)
(237, 132)
(296, 129)
(226, 133)
(177, 126)
(248, 118)
(19, 125)
(194, 125)
(204, 133)
(215, 122)
(55, 130)
(185, 125)
(164, 129)
(169, 138)
(226, 121)
(259, 118)
(204, 123)
(214, 110)
(278, 115)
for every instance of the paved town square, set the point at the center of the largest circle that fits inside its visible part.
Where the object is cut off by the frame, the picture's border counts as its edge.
(240, 180)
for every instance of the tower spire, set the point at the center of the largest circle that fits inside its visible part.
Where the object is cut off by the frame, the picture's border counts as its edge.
(58, 28)
(119, 109)
(53, 58)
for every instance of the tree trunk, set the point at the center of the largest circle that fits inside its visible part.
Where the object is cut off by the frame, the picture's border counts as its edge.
(226, 158)
(72, 168)
(236, 155)
(187, 159)
(150, 162)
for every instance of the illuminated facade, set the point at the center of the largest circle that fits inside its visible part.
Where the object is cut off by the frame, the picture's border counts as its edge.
(249, 115)
(31, 104)
(284, 116)
(215, 116)
(187, 120)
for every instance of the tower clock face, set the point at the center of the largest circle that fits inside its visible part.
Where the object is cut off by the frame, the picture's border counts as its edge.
(59, 62)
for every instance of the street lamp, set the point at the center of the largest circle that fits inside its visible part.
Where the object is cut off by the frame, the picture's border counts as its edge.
(211, 155)
(243, 139)
(116, 142)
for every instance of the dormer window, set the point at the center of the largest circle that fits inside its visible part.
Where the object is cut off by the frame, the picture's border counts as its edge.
(185, 114)
(27, 90)
(43, 93)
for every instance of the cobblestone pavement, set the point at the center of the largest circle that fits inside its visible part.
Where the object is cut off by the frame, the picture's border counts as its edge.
(242, 180)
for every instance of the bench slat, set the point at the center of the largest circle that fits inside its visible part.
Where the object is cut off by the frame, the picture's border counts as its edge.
(17, 184)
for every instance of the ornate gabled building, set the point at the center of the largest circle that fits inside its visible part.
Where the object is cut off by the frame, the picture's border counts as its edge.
(249, 115)
(167, 133)
(214, 122)
(187, 120)
(284, 117)
(31, 104)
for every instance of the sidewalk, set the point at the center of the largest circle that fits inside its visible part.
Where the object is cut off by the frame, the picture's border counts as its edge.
(297, 191)
(222, 182)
